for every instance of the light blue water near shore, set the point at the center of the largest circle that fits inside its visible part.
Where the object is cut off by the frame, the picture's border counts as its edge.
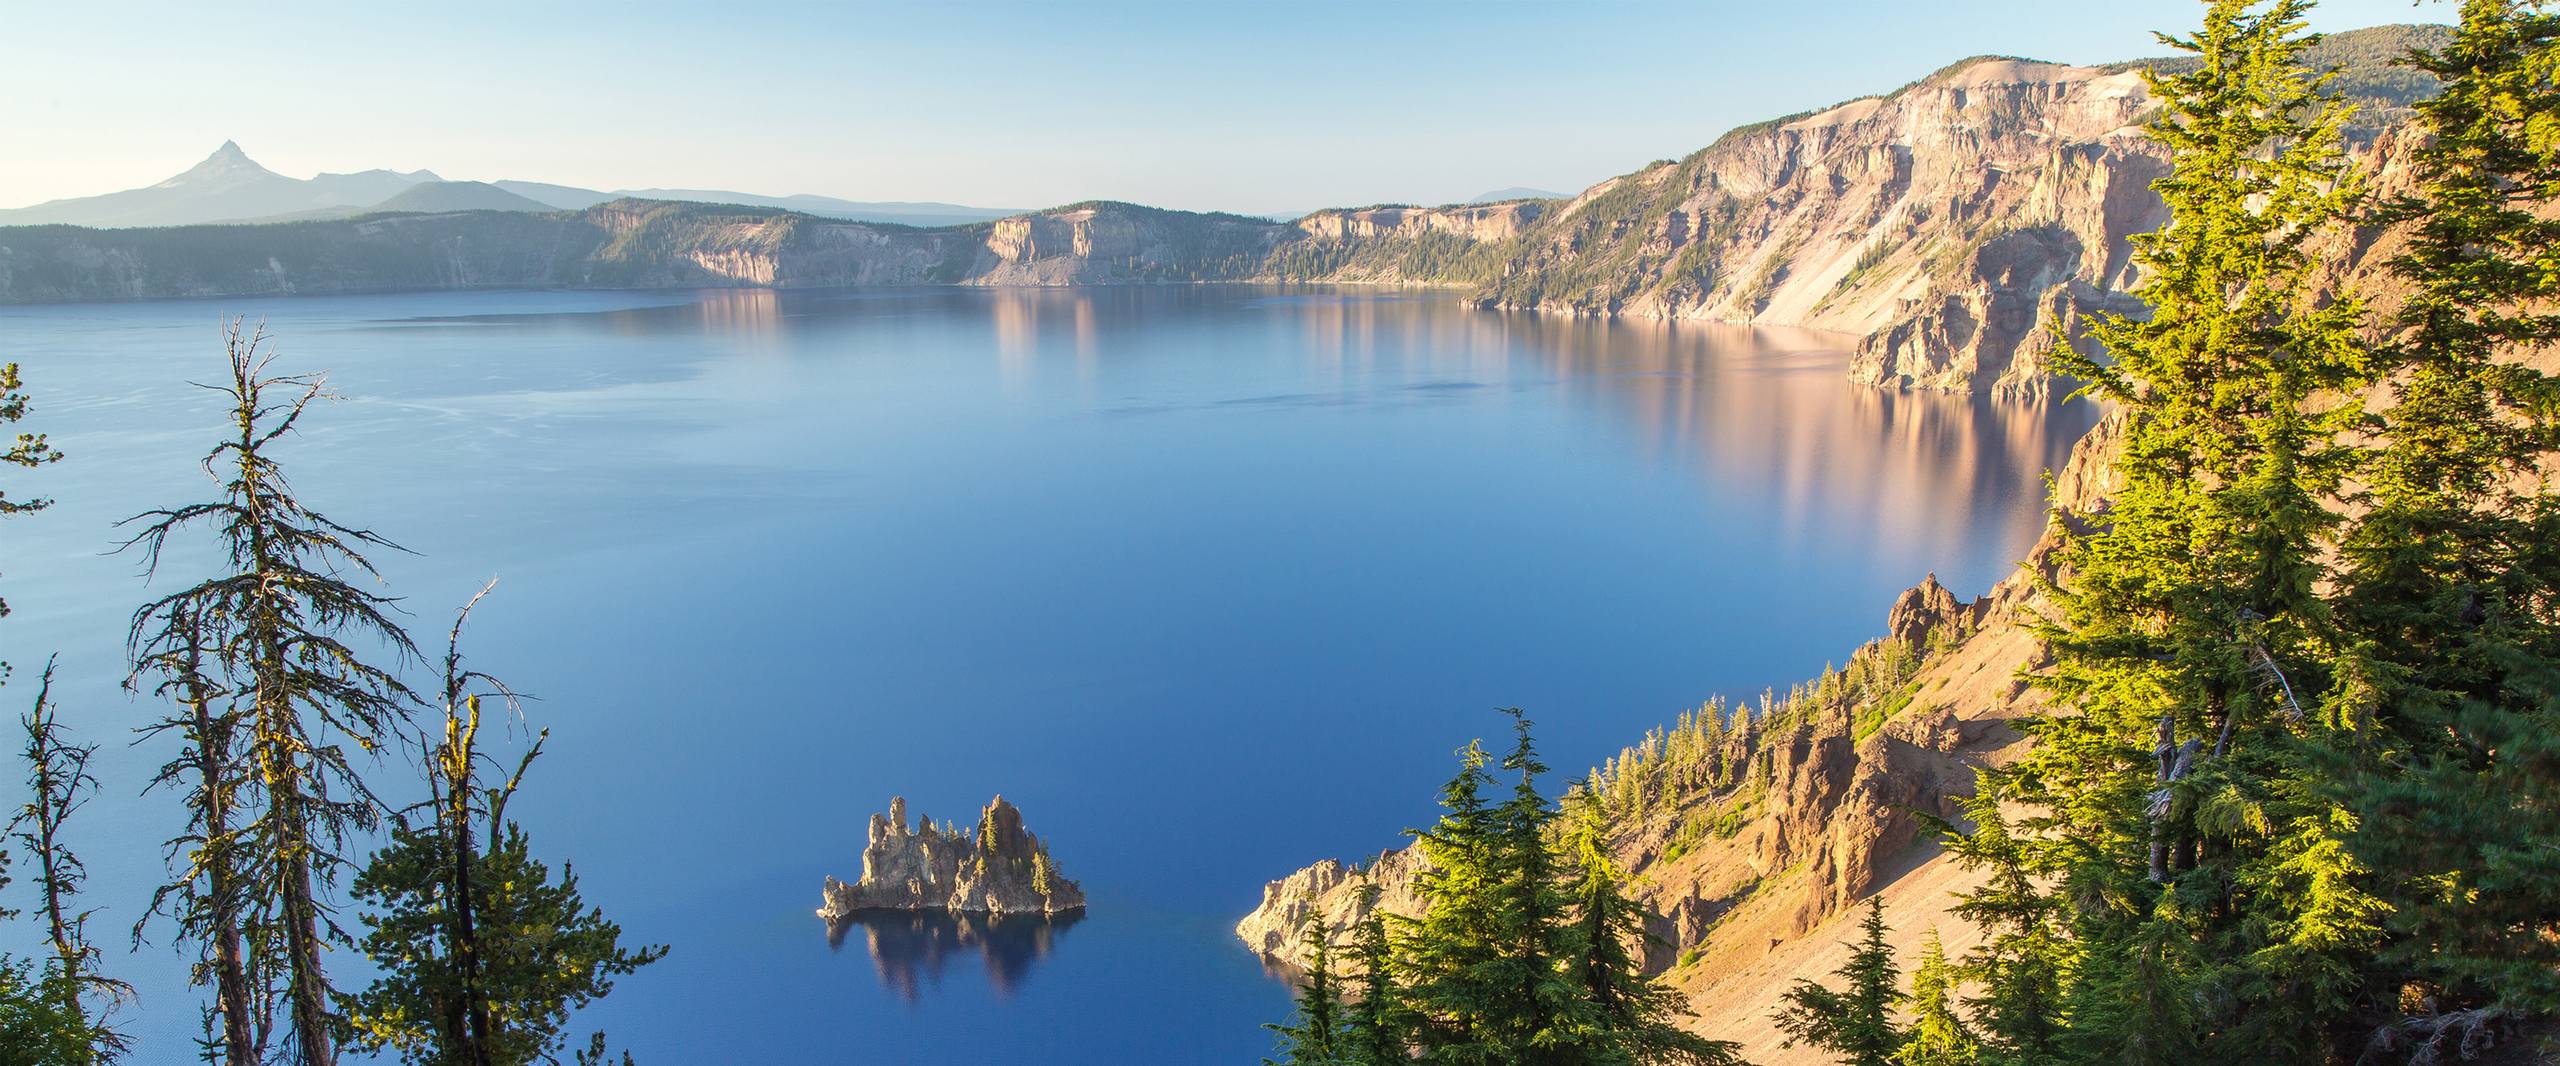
(1210, 581)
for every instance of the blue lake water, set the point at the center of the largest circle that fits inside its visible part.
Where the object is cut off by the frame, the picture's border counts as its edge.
(1210, 581)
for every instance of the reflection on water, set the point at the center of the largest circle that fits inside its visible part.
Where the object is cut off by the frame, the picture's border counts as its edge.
(1325, 529)
(910, 948)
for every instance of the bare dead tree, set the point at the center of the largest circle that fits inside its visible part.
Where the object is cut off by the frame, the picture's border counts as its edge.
(59, 785)
(297, 635)
(206, 899)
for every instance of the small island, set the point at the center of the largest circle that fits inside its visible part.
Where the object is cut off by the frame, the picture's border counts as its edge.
(996, 867)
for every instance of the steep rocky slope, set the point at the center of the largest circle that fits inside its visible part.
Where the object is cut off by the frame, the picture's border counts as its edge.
(1949, 224)
(1749, 831)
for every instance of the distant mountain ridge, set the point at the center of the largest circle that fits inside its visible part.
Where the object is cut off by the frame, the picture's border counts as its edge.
(1945, 226)
(1517, 192)
(229, 187)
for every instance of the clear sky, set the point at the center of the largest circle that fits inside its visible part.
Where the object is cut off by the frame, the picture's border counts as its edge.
(1216, 104)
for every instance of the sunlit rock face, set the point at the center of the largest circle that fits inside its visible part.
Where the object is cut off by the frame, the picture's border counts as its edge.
(1745, 878)
(994, 867)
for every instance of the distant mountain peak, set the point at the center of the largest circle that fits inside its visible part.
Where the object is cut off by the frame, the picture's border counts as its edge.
(226, 163)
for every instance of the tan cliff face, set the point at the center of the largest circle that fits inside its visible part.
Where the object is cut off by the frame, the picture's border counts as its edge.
(1941, 224)
(1474, 222)
(1850, 219)
(1748, 846)
(1952, 227)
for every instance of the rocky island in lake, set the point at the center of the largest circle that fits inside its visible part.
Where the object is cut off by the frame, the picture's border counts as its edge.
(994, 867)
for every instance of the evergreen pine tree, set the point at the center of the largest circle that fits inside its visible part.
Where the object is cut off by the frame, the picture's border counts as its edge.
(1856, 1022)
(1449, 958)
(2215, 908)
(482, 955)
(2450, 572)
(1936, 1037)
(1520, 954)
(1374, 1030)
(1626, 1016)
(1315, 1037)
(2019, 963)
(1534, 1001)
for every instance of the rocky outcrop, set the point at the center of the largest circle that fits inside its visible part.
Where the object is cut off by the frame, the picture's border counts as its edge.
(1928, 609)
(1963, 227)
(1748, 831)
(995, 867)
(2023, 298)
(1801, 804)
(1329, 895)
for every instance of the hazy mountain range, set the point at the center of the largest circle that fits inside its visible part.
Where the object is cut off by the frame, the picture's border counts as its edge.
(230, 187)
(1944, 225)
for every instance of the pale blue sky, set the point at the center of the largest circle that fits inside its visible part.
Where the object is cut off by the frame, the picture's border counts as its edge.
(1228, 105)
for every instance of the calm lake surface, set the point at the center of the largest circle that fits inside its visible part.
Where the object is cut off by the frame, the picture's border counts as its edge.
(1209, 581)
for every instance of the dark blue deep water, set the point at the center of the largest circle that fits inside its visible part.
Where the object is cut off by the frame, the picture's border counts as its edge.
(1210, 581)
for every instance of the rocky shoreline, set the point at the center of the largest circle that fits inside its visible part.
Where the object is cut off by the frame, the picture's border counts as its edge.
(1747, 838)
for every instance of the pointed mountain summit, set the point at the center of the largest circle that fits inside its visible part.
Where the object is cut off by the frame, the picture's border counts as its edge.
(227, 166)
(225, 159)
(226, 186)
(230, 187)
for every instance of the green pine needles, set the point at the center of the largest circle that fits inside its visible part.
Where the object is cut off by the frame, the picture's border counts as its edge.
(282, 675)
(2449, 581)
(1522, 953)
(1856, 1022)
(2298, 805)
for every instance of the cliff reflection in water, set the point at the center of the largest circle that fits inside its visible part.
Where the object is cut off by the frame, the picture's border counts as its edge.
(910, 948)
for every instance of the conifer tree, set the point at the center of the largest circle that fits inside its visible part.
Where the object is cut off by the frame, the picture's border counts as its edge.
(1374, 1029)
(1521, 954)
(2451, 571)
(1627, 1016)
(483, 956)
(58, 785)
(1446, 965)
(1315, 1037)
(2215, 906)
(299, 636)
(2019, 963)
(1856, 1022)
(1534, 1000)
(41, 1023)
(27, 450)
(46, 1010)
(208, 901)
(1936, 1037)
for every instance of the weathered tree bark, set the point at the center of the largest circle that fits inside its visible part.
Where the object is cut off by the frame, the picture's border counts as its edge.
(2176, 761)
(240, 1042)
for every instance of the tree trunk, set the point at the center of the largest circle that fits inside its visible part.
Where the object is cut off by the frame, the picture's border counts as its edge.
(2176, 761)
(467, 937)
(310, 987)
(230, 972)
